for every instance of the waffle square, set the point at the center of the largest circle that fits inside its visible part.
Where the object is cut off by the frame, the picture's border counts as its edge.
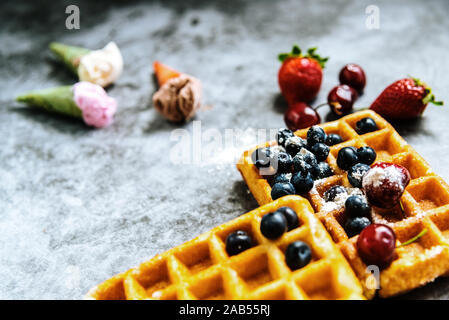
(201, 268)
(424, 204)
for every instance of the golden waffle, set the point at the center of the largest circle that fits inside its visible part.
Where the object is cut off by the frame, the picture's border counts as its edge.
(201, 268)
(425, 204)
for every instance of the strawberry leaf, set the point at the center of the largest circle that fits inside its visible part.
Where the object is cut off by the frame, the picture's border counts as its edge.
(429, 96)
(296, 50)
(283, 56)
(296, 53)
(311, 54)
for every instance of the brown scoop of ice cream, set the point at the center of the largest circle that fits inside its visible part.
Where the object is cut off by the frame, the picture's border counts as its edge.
(178, 98)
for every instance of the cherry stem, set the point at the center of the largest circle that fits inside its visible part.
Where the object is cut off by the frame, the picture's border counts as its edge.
(402, 208)
(423, 232)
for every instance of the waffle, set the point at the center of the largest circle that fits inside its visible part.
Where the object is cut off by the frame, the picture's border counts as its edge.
(201, 268)
(425, 204)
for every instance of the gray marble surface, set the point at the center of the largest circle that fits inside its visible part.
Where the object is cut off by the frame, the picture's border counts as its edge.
(80, 205)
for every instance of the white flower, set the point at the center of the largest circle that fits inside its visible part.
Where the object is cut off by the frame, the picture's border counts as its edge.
(102, 66)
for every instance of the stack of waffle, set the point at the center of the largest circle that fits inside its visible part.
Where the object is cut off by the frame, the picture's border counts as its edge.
(202, 269)
(424, 205)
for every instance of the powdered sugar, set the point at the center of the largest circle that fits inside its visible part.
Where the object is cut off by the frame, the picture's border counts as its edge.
(301, 157)
(277, 149)
(296, 141)
(340, 199)
(319, 183)
(376, 177)
(359, 173)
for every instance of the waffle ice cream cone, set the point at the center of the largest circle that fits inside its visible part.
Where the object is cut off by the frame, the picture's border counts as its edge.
(202, 269)
(69, 55)
(164, 73)
(83, 100)
(423, 205)
(56, 100)
(179, 95)
(101, 67)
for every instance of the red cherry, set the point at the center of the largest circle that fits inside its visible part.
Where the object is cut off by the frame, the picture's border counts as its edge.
(384, 184)
(376, 244)
(341, 99)
(300, 115)
(354, 76)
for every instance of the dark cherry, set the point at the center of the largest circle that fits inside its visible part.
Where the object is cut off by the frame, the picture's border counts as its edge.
(354, 76)
(341, 99)
(300, 116)
(385, 183)
(376, 244)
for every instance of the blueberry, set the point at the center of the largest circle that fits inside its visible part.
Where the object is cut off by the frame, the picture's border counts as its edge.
(282, 135)
(281, 189)
(297, 255)
(356, 174)
(282, 177)
(332, 193)
(320, 150)
(314, 171)
(291, 216)
(366, 155)
(294, 144)
(304, 161)
(273, 225)
(321, 171)
(354, 226)
(261, 157)
(347, 157)
(284, 162)
(237, 242)
(357, 206)
(315, 135)
(333, 139)
(366, 125)
(303, 182)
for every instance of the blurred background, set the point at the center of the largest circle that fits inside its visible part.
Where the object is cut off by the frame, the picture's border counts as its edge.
(80, 205)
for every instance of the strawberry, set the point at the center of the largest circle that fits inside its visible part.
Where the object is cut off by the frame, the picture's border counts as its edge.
(163, 72)
(300, 75)
(404, 99)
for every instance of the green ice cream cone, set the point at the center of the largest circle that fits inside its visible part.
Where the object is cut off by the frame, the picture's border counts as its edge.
(70, 55)
(56, 100)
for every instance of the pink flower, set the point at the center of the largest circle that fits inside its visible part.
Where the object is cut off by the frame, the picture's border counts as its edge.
(97, 107)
